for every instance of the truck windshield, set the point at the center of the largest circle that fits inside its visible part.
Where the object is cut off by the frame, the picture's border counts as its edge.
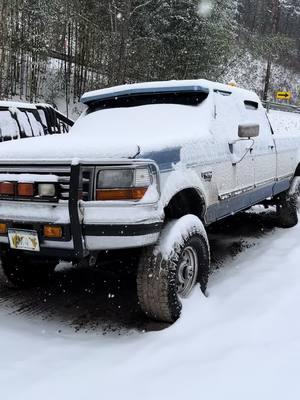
(184, 98)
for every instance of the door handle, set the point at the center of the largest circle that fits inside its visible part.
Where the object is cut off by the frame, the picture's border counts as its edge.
(271, 147)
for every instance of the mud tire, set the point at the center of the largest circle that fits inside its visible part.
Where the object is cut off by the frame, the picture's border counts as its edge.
(157, 276)
(287, 208)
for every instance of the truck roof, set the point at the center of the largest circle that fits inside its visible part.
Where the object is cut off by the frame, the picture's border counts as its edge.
(17, 104)
(199, 85)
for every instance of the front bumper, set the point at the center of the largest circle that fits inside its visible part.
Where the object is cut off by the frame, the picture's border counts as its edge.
(87, 226)
(93, 238)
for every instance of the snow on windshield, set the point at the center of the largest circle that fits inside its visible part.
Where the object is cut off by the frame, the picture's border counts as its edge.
(153, 124)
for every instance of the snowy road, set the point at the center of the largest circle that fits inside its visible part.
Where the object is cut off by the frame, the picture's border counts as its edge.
(243, 342)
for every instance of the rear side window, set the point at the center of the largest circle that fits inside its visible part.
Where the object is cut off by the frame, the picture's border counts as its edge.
(251, 105)
(257, 115)
(8, 127)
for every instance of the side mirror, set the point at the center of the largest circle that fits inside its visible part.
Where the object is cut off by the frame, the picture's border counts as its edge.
(248, 130)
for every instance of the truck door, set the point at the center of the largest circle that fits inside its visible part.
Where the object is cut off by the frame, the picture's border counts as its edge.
(264, 149)
(236, 173)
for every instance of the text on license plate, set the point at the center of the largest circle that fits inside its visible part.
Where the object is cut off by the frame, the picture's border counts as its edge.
(23, 240)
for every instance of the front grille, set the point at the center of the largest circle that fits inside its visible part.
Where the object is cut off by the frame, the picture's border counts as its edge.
(62, 173)
(64, 185)
(87, 177)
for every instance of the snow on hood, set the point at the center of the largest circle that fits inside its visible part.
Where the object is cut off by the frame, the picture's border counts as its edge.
(66, 147)
(116, 133)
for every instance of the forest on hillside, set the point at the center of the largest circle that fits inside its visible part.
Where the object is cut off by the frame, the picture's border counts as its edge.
(66, 47)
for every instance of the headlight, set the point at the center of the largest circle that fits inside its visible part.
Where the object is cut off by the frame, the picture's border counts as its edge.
(46, 189)
(123, 184)
(115, 178)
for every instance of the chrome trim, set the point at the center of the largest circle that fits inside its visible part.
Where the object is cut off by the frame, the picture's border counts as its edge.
(225, 196)
(283, 177)
(34, 169)
(60, 203)
(57, 244)
(119, 242)
(228, 195)
(267, 182)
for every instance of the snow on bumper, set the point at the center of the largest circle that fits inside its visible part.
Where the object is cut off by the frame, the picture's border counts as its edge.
(34, 212)
(125, 226)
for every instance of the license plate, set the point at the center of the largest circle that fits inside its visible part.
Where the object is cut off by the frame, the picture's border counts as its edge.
(23, 240)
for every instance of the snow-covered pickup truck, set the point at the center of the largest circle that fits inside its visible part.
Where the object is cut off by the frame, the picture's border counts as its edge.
(147, 167)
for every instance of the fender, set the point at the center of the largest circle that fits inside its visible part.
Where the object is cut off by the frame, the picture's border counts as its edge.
(181, 178)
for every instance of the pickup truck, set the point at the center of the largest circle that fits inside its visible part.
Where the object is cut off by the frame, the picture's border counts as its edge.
(22, 120)
(143, 172)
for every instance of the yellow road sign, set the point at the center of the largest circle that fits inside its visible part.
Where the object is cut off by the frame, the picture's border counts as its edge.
(284, 95)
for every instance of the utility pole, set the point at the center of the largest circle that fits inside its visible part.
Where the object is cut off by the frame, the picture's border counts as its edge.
(274, 29)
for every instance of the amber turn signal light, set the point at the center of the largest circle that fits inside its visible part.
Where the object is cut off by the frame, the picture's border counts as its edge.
(7, 188)
(3, 229)
(121, 194)
(25, 189)
(53, 232)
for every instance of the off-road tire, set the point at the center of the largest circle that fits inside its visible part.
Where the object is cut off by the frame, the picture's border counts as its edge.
(157, 275)
(18, 271)
(287, 208)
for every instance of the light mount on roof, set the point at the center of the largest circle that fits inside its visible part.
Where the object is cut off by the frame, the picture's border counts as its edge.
(127, 91)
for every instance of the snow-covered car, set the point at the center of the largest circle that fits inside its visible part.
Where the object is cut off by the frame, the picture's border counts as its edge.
(22, 120)
(146, 168)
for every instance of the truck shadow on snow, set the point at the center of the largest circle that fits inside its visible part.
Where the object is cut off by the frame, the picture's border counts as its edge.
(99, 300)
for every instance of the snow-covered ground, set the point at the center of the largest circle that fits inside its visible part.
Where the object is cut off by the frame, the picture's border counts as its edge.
(242, 342)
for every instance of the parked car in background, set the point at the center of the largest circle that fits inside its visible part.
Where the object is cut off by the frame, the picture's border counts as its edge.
(23, 120)
(53, 121)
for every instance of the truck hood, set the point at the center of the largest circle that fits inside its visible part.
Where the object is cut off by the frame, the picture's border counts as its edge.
(115, 134)
(65, 147)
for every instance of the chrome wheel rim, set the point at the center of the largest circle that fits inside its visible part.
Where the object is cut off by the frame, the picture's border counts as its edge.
(187, 272)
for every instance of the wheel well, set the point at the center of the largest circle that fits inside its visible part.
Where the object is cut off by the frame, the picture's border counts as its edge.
(187, 201)
(297, 173)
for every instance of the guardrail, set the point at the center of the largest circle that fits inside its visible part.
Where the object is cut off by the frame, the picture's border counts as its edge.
(269, 105)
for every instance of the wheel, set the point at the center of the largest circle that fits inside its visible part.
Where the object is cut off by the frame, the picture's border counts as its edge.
(287, 206)
(168, 271)
(19, 271)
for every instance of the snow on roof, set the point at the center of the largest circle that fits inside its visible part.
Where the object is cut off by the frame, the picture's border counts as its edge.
(17, 104)
(200, 85)
(44, 105)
